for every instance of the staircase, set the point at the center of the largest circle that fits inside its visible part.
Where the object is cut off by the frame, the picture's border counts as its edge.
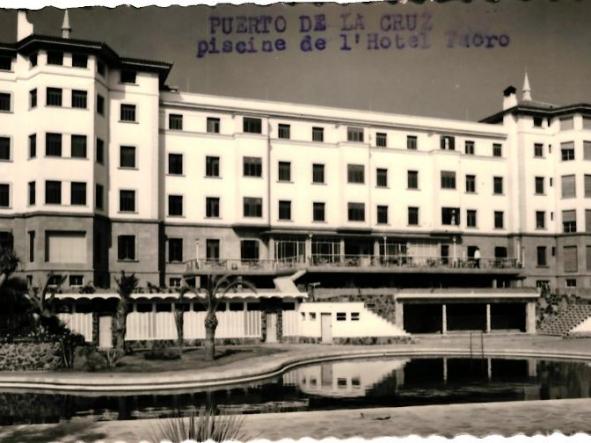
(566, 320)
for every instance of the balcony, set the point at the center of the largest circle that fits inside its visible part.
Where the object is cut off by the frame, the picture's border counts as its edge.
(357, 263)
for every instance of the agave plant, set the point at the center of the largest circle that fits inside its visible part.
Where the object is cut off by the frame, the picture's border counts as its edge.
(205, 425)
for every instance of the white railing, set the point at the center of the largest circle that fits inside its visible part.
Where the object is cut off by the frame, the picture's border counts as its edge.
(78, 322)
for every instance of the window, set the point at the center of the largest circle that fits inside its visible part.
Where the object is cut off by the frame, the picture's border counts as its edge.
(588, 220)
(571, 282)
(249, 250)
(587, 149)
(6, 240)
(4, 195)
(212, 249)
(342, 316)
(53, 145)
(100, 104)
(79, 60)
(175, 250)
(284, 210)
(252, 166)
(175, 205)
(33, 98)
(127, 113)
(4, 102)
(471, 218)
(32, 193)
(448, 180)
(587, 183)
(212, 166)
(413, 216)
(32, 145)
(126, 201)
(570, 259)
(497, 185)
(355, 174)
(175, 164)
(175, 121)
(99, 197)
(31, 246)
(4, 148)
(101, 68)
(55, 58)
(497, 150)
(33, 59)
(450, 216)
(5, 63)
(127, 156)
(355, 134)
(567, 151)
(469, 147)
(569, 221)
(381, 139)
(381, 178)
(53, 192)
(78, 147)
(79, 99)
(356, 211)
(318, 210)
(127, 76)
(447, 143)
(252, 207)
(78, 193)
(252, 125)
(538, 122)
(540, 219)
(382, 215)
(100, 151)
(568, 187)
(213, 125)
(541, 254)
(411, 142)
(65, 247)
(284, 131)
(470, 183)
(355, 317)
(212, 207)
(53, 97)
(126, 247)
(538, 150)
(499, 219)
(539, 185)
(588, 257)
(317, 134)
(412, 179)
(566, 123)
(284, 171)
(317, 173)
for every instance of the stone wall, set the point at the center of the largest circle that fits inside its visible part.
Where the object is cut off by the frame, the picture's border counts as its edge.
(26, 356)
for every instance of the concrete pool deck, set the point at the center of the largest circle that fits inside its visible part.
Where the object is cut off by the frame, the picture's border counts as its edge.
(480, 419)
(262, 367)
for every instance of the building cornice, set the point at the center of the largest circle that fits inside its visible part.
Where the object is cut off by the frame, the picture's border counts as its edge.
(531, 110)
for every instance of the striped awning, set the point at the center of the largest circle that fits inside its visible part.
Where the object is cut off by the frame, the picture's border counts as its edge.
(175, 295)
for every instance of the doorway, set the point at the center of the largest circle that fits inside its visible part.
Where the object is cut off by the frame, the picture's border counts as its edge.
(326, 328)
(271, 328)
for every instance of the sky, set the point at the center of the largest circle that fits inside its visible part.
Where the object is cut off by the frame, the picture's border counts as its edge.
(549, 39)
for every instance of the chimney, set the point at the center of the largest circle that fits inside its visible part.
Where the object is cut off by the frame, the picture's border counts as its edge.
(509, 97)
(24, 28)
(66, 29)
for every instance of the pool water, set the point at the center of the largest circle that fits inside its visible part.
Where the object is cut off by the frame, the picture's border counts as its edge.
(383, 382)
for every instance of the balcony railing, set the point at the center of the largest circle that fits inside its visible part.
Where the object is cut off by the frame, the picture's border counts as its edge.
(351, 261)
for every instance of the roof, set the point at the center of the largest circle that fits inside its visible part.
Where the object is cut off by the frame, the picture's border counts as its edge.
(35, 41)
(538, 109)
(175, 295)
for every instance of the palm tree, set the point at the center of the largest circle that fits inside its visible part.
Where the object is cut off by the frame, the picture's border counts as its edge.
(216, 287)
(179, 319)
(8, 264)
(125, 287)
(42, 304)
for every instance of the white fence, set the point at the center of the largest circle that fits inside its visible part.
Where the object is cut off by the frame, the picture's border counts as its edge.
(80, 323)
(231, 324)
(150, 326)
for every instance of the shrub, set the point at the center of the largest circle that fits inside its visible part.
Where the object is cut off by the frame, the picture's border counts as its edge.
(89, 358)
(204, 426)
(160, 352)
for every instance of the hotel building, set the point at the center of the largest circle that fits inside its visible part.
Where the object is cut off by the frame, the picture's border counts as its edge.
(104, 168)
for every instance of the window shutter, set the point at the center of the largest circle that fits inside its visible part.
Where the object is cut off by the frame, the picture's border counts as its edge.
(66, 247)
(587, 220)
(568, 186)
(569, 216)
(587, 185)
(588, 258)
(567, 145)
(570, 259)
(587, 150)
